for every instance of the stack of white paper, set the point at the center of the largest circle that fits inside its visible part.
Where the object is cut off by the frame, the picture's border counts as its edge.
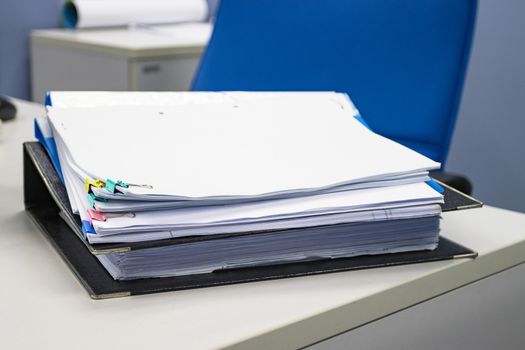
(283, 177)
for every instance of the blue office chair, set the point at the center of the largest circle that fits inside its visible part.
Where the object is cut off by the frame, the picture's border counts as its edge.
(402, 62)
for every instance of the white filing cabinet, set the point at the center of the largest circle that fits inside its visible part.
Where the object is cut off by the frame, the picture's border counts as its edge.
(160, 58)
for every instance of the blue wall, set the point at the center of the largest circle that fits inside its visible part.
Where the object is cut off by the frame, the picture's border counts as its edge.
(489, 141)
(17, 18)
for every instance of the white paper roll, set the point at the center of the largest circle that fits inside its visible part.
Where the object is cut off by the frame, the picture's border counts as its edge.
(105, 13)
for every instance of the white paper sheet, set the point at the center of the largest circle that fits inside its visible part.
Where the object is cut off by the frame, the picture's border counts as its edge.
(241, 148)
(116, 204)
(299, 222)
(261, 249)
(392, 202)
(75, 99)
(339, 202)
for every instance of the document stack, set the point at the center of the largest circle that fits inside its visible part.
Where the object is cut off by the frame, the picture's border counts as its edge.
(254, 178)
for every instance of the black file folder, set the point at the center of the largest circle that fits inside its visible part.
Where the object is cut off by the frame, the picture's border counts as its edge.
(47, 203)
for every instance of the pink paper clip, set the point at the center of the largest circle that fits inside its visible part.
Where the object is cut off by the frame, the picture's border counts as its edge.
(96, 215)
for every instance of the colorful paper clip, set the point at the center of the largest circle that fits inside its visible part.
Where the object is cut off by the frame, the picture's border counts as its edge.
(88, 183)
(87, 228)
(92, 198)
(96, 215)
(111, 185)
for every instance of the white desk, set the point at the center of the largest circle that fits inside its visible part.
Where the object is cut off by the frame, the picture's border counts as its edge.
(161, 58)
(42, 306)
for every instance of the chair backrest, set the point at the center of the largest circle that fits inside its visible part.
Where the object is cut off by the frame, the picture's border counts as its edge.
(402, 62)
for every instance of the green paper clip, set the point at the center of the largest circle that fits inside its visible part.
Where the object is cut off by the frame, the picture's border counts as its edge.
(122, 184)
(111, 185)
(92, 198)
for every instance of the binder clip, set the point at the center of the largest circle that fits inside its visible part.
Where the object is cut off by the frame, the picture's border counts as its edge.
(87, 228)
(96, 215)
(92, 198)
(88, 183)
(111, 185)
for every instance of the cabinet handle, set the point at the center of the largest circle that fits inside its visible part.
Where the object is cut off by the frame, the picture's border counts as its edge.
(151, 68)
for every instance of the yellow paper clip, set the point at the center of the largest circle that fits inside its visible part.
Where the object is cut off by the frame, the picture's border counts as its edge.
(88, 183)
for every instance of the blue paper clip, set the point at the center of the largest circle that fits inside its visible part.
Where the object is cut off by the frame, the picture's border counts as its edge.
(87, 228)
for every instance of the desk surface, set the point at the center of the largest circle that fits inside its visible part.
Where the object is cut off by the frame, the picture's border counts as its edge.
(43, 306)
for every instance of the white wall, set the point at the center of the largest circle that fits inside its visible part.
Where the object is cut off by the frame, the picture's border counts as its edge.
(489, 141)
